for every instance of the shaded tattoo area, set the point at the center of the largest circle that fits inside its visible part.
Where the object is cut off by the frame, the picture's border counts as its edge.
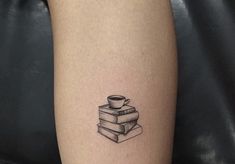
(118, 120)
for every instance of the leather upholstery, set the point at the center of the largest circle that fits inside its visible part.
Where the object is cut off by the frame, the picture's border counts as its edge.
(205, 120)
(27, 130)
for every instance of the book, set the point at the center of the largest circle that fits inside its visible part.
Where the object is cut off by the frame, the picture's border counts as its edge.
(119, 118)
(123, 110)
(123, 128)
(118, 137)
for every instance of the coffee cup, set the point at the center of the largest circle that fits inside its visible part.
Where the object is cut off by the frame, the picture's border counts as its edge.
(117, 101)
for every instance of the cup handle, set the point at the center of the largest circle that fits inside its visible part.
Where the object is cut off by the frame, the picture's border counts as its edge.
(126, 101)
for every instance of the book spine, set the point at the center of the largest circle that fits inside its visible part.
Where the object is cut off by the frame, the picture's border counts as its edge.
(119, 119)
(129, 126)
(107, 134)
(120, 128)
(107, 117)
(116, 112)
(115, 127)
(126, 111)
(128, 117)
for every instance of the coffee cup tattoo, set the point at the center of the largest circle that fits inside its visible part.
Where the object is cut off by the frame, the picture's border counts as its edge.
(117, 101)
(118, 120)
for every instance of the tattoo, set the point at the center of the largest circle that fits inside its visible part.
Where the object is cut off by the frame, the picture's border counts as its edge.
(118, 120)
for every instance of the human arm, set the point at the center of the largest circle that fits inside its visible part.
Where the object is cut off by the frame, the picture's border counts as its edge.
(110, 47)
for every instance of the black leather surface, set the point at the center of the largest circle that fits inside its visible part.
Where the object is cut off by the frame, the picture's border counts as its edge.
(205, 122)
(27, 133)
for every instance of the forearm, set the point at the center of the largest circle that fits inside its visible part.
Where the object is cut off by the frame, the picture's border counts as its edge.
(114, 47)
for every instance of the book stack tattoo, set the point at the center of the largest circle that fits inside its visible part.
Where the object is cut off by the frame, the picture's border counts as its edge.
(118, 121)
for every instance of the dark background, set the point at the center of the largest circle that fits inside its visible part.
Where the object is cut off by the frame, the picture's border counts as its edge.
(205, 120)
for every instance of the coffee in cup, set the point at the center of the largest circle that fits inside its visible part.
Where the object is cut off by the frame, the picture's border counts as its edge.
(117, 101)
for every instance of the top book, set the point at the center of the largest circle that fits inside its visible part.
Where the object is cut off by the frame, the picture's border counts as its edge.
(124, 110)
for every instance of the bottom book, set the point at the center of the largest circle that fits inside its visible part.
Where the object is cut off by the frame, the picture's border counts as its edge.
(118, 137)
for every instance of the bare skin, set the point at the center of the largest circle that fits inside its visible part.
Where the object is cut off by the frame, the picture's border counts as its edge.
(110, 47)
